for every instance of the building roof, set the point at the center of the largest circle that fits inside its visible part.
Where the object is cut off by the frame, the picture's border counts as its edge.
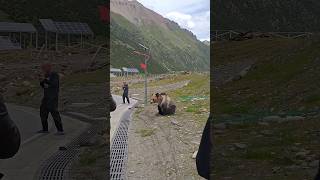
(17, 27)
(130, 70)
(115, 70)
(65, 27)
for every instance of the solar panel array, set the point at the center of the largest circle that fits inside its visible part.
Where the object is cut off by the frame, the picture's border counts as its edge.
(48, 25)
(17, 27)
(73, 28)
(7, 44)
(130, 70)
(66, 27)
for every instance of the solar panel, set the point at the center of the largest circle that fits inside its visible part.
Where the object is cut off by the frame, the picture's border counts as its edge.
(17, 27)
(73, 28)
(131, 70)
(66, 27)
(48, 25)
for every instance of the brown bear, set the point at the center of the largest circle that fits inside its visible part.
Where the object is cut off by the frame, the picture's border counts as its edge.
(165, 105)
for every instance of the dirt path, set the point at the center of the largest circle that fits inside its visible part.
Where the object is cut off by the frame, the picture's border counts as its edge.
(139, 92)
(162, 147)
(222, 73)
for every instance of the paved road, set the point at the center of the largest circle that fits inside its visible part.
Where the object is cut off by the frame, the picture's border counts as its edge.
(36, 148)
(27, 121)
(118, 113)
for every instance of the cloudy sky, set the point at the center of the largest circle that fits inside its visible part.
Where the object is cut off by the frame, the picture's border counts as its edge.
(193, 15)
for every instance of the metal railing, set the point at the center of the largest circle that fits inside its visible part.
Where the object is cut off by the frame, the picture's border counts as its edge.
(222, 35)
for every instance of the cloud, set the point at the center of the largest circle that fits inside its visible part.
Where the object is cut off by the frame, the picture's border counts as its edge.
(199, 23)
(193, 15)
(184, 20)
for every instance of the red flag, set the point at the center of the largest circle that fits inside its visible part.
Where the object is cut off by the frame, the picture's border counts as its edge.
(143, 66)
(104, 13)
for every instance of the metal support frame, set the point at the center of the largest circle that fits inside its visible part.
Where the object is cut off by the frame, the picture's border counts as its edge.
(57, 39)
(36, 40)
(46, 40)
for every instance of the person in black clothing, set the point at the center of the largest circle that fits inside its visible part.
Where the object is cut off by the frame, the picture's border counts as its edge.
(9, 134)
(49, 104)
(318, 174)
(204, 152)
(125, 94)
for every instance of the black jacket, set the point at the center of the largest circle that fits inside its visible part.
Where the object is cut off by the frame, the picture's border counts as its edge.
(9, 134)
(52, 89)
(125, 90)
(204, 152)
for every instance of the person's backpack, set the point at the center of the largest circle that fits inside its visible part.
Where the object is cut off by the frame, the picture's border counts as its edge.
(204, 152)
(9, 134)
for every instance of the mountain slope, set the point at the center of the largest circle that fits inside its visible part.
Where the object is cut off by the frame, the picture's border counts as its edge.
(172, 48)
(262, 15)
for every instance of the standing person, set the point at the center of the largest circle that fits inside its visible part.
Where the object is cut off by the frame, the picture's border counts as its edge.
(49, 104)
(9, 134)
(125, 94)
(203, 162)
(318, 173)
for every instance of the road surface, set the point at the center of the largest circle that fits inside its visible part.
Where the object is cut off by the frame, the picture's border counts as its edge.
(36, 148)
(119, 112)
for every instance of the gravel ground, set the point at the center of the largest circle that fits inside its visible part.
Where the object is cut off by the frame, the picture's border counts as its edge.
(161, 147)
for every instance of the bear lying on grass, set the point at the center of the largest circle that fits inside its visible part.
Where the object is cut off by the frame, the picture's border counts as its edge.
(165, 105)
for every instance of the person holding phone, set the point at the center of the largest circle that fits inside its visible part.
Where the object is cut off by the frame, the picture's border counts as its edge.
(49, 104)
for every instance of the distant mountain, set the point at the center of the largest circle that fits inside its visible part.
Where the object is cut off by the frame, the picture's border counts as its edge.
(172, 48)
(206, 42)
(262, 15)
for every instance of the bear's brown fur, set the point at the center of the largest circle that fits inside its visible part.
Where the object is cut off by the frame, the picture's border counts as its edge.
(165, 104)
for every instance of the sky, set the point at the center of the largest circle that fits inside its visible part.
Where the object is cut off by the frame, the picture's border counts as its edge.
(193, 15)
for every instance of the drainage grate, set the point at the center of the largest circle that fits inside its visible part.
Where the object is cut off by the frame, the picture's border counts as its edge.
(54, 168)
(119, 150)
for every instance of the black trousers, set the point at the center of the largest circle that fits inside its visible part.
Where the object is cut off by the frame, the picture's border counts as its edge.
(50, 106)
(203, 162)
(124, 97)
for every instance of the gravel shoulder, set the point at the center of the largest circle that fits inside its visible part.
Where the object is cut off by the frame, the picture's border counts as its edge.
(162, 147)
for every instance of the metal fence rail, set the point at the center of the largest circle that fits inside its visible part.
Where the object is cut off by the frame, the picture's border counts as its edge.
(221, 35)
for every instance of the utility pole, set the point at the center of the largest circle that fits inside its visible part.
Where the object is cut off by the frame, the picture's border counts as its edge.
(146, 58)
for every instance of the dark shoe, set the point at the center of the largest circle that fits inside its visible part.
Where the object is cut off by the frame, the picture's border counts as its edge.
(43, 132)
(59, 133)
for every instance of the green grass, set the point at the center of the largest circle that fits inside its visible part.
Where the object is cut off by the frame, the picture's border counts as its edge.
(88, 158)
(95, 77)
(285, 71)
(169, 80)
(264, 152)
(199, 87)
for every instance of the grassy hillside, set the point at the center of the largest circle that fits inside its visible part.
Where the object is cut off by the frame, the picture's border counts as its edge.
(60, 10)
(285, 78)
(284, 82)
(273, 15)
(172, 49)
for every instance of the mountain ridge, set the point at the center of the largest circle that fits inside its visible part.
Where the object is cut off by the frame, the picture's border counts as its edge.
(173, 48)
